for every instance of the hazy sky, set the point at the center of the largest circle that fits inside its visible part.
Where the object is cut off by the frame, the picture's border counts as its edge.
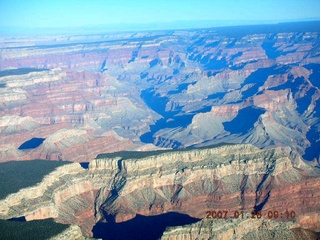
(66, 13)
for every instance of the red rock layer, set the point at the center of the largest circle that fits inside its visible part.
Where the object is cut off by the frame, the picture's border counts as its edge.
(227, 178)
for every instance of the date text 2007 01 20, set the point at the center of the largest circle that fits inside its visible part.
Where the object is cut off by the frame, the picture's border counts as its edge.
(254, 214)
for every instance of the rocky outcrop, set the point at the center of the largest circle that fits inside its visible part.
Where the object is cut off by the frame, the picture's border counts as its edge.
(229, 177)
(72, 232)
(220, 229)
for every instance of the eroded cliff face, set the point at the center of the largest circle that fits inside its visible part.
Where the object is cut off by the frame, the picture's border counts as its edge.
(72, 232)
(69, 111)
(239, 229)
(172, 89)
(230, 177)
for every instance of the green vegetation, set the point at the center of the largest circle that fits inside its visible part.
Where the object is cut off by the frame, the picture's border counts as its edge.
(40, 229)
(20, 71)
(20, 174)
(140, 154)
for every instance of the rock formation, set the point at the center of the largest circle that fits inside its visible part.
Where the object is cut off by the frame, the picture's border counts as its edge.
(230, 178)
(73, 232)
(172, 89)
(255, 88)
(77, 120)
(239, 229)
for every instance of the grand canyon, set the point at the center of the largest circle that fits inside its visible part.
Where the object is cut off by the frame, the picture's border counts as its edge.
(159, 129)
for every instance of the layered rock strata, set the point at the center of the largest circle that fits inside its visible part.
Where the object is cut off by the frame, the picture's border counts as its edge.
(219, 229)
(230, 178)
(172, 89)
(77, 118)
(72, 232)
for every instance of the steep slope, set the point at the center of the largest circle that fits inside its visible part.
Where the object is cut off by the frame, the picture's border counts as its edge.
(172, 89)
(263, 229)
(68, 110)
(230, 177)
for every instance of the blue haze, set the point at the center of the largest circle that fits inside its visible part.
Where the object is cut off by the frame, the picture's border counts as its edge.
(121, 14)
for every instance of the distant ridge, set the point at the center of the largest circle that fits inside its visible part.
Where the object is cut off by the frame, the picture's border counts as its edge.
(177, 25)
(285, 27)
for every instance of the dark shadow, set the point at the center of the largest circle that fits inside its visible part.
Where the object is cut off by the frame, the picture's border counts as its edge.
(84, 165)
(293, 84)
(170, 119)
(268, 44)
(258, 78)
(314, 77)
(16, 175)
(244, 121)
(304, 102)
(313, 152)
(19, 219)
(181, 88)
(32, 143)
(141, 227)
(20, 71)
(30, 230)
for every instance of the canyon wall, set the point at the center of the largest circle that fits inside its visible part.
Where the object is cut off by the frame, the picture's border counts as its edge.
(230, 178)
(154, 89)
(248, 229)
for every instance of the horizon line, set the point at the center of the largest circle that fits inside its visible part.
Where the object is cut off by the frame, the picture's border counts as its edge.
(153, 26)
